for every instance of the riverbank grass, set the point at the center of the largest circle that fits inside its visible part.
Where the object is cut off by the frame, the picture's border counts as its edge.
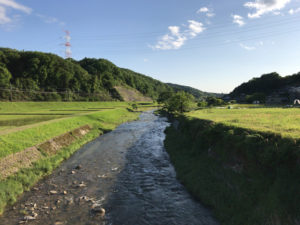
(100, 121)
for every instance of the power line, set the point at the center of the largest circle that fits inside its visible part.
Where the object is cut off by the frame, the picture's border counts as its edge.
(209, 44)
(220, 25)
(210, 34)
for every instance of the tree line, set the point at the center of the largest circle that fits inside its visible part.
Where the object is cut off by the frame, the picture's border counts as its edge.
(181, 101)
(38, 76)
(259, 88)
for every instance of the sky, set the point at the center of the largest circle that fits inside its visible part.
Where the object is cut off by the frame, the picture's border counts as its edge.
(210, 45)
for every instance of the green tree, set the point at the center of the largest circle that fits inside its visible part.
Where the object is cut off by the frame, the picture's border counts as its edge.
(5, 76)
(202, 104)
(213, 101)
(164, 96)
(180, 102)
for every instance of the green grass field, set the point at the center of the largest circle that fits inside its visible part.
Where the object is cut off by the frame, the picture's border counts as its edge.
(26, 124)
(15, 114)
(284, 121)
(15, 136)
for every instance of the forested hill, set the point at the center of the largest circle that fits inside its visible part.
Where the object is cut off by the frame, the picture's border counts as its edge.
(266, 84)
(193, 91)
(26, 75)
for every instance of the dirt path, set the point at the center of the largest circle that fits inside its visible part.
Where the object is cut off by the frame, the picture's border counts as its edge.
(126, 172)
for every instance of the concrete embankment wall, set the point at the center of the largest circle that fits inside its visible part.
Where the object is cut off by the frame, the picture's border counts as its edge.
(247, 177)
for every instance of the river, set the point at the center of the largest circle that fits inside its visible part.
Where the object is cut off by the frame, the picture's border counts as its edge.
(127, 172)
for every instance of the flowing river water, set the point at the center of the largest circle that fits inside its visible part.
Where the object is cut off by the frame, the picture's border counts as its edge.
(126, 171)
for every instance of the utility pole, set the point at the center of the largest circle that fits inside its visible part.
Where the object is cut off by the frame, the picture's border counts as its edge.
(10, 87)
(66, 95)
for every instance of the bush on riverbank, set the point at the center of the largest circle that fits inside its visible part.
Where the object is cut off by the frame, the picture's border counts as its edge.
(247, 177)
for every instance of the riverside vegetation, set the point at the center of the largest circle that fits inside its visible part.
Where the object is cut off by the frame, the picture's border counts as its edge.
(243, 163)
(99, 117)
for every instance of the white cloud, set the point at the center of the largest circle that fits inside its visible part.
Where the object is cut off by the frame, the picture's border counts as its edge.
(246, 47)
(49, 19)
(254, 46)
(208, 12)
(174, 30)
(3, 18)
(176, 38)
(265, 6)
(15, 5)
(195, 27)
(239, 20)
(5, 4)
(203, 10)
(294, 11)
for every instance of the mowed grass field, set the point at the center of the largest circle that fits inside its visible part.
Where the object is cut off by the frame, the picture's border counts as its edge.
(284, 121)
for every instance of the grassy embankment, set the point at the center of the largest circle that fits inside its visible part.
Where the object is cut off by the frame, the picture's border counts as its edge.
(15, 139)
(243, 163)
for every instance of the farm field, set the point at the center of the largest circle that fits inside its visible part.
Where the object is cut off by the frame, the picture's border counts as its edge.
(17, 114)
(27, 124)
(31, 123)
(285, 121)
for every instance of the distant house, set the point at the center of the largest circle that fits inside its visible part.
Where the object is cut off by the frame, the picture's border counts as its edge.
(255, 102)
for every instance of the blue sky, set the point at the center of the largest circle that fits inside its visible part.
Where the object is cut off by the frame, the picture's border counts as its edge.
(211, 45)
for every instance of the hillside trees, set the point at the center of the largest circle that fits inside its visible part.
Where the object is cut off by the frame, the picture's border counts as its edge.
(266, 84)
(164, 96)
(5, 76)
(261, 97)
(199, 95)
(87, 79)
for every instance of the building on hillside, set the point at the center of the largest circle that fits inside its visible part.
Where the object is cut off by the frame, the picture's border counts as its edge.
(278, 98)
